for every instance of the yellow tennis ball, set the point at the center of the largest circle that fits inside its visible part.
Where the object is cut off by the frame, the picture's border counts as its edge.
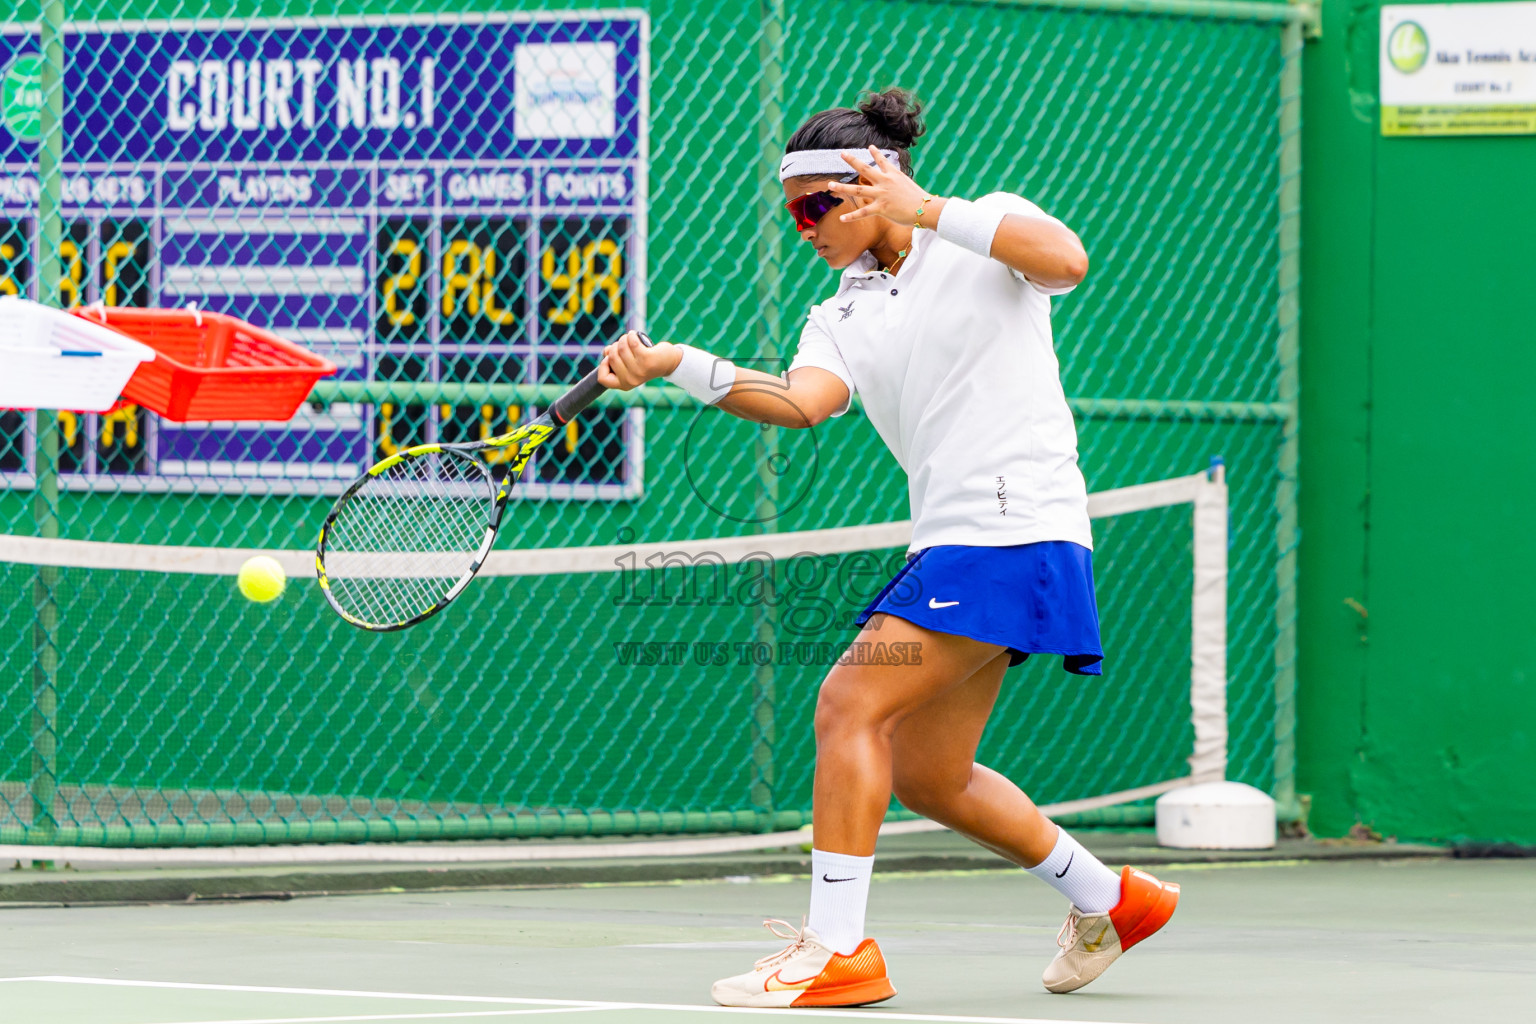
(809, 843)
(262, 579)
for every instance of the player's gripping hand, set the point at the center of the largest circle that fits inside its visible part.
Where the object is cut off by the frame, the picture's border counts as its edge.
(884, 191)
(628, 363)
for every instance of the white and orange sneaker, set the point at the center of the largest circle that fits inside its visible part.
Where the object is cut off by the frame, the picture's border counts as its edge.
(1091, 942)
(807, 973)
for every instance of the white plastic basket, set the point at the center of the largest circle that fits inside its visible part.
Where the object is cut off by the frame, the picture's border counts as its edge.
(56, 361)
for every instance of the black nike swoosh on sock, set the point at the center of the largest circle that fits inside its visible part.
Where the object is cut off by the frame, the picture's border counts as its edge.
(824, 878)
(1064, 870)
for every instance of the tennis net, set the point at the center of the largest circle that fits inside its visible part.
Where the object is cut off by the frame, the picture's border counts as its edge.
(669, 687)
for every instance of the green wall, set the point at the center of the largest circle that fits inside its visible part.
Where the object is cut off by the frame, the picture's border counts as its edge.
(1418, 652)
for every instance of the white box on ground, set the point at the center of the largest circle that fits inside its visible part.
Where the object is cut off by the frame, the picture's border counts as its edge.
(57, 361)
(1216, 816)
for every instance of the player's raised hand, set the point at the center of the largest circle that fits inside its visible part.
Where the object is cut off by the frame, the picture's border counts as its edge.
(629, 362)
(889, 193)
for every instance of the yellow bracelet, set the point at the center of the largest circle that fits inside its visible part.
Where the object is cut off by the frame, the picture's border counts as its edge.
(920, 208)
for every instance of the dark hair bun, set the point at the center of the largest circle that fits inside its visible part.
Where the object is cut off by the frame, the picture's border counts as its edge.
(896, 114)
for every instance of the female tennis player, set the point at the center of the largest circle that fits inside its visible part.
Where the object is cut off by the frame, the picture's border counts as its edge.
(941, 323)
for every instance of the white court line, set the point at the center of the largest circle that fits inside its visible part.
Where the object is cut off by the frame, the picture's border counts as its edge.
(401, 1016)
(589, 1004)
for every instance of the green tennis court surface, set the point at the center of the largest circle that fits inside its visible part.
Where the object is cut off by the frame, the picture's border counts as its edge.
(1357, 941)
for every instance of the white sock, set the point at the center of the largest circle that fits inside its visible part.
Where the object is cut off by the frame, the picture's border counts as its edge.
(839, 893)
(1079, 876)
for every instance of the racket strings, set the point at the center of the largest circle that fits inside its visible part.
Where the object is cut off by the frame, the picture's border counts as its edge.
(404, 539)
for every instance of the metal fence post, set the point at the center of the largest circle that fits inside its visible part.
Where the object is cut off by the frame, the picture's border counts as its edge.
(1287, 533)
(770, 86)
(44, 783)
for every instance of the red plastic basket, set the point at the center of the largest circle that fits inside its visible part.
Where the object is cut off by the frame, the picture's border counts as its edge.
(209, 366)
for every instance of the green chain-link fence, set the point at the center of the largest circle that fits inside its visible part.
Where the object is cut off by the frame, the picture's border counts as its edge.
(460, 209)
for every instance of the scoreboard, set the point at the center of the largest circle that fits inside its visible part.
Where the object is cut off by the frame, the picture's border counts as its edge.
(418, 199)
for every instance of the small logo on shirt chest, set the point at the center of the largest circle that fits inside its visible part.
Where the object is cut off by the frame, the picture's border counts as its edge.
(1002, 495)
(847, 312)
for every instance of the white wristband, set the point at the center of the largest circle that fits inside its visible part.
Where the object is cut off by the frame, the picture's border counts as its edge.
(970, 226)
(707, 378)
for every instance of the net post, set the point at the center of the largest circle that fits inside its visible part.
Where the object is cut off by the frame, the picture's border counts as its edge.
(43, 785)
(770, 88)
(1208, 627)
(1289, 386)
(764, 672)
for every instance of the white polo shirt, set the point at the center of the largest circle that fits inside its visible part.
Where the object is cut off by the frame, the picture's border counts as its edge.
(954, 362)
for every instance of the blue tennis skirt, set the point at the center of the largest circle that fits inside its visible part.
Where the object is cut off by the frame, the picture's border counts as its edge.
(1030, 598)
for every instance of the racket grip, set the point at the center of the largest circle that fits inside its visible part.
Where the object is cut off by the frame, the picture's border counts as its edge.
(583, 394)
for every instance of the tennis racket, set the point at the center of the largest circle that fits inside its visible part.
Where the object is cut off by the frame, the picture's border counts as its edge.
(406, 538)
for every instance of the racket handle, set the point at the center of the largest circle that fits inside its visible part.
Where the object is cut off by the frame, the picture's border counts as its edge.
(583, 394)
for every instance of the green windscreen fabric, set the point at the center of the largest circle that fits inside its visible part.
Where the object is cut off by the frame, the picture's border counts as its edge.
(459, 208)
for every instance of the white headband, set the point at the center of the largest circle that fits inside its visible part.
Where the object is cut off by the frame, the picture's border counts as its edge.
(826, 161)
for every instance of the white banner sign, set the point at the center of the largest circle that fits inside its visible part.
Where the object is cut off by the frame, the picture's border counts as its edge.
(1458, 69)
